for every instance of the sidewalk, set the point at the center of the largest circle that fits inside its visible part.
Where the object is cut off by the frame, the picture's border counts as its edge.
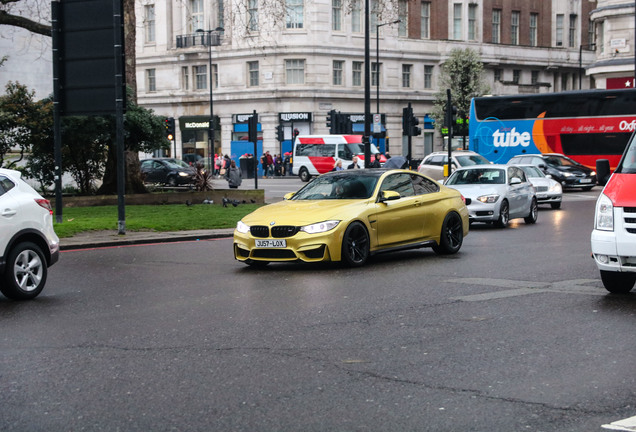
(87, 240)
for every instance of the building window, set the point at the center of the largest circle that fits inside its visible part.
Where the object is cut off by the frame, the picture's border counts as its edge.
(496, 26)
(338, 69)
(600, 36)
(428, 77)
(498, 74)
(572, 32)
(534, 22)
(295, 71)
(472, 21)
(149, 23)
(252, 15)
(295, 13)
(185, 78)
(200, 77)
(215, 76)
(559, 30)
(373, 16)
(514, 28)
(403, 15)
(356, 73)
(151, 80)
(590, 34)
(196, 15)
(375, 72)
(336, 15)
(535, 77)
(220, 13)
(516, 76)
(406, 75)
(564, 82)
(252, 72)
(425, 26)
(457, 21)
(356, 16)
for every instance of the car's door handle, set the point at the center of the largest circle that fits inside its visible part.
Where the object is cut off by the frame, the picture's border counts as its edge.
(8, 212)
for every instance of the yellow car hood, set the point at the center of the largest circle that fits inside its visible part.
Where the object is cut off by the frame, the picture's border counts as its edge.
(305, 212)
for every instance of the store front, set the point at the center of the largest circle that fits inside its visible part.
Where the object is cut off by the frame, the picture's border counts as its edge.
(194, 138)
(293, 122)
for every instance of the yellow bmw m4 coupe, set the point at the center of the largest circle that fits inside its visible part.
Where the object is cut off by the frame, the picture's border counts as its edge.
(350, 215)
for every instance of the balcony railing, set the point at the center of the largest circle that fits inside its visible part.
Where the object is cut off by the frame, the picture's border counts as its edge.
(199, 39)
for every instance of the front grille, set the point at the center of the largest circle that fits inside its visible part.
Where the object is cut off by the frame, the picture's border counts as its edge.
(260, 231)
(284, 231)
(629, 209)
(542, 189)
(273, 253)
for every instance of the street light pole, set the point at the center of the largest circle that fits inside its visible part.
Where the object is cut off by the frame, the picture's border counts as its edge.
(211, 123)
(377, 61)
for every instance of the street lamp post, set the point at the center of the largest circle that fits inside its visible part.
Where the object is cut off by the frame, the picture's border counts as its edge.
(377, 61)
(211, 123)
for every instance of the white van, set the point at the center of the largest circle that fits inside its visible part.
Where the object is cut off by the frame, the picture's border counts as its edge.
(317, 154)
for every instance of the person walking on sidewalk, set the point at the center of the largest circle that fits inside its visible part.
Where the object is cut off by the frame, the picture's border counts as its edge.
(233, 176)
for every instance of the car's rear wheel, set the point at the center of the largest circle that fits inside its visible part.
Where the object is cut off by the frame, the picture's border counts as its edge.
(452, 235)
(617, 282)
(25, 273)
(504, 215)
(534, 212)
(304, 175)
(355, 245)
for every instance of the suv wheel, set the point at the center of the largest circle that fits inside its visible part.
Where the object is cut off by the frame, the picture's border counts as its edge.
(26, 272)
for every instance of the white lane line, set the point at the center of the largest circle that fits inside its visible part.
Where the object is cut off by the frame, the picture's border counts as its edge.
(628, 424)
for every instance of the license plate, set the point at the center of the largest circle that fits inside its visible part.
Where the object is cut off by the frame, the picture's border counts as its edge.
(586, 180)
(271, 243)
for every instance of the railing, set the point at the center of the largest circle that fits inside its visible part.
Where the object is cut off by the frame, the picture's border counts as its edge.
(199, 39)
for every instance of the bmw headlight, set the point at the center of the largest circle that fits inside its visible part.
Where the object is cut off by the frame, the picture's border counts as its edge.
(604, 215)
(242, 228)
(488, 199)
(320, 227)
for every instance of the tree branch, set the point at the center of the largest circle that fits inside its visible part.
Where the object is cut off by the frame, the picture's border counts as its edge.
(25, 23)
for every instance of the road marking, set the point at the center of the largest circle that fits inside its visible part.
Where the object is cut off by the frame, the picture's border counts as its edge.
(628, 424)
(519, 288)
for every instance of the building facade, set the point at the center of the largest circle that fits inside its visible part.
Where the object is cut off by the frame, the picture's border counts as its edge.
(293, 61)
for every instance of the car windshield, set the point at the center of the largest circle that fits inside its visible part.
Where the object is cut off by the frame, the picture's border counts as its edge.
(177, 163)
(560, 161)
(468, 160)
(334, 187)
(532, 171)
(477, 175)
(629, 161)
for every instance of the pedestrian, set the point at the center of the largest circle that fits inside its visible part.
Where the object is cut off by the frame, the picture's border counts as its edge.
(264, 164)
(338, 165)
(233, 176)
(278, 164)
(218, 164)
(354, 163)
(270, 165)
(376, 162)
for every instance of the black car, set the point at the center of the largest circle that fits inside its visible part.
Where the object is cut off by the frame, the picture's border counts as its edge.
(169, 171)
(569, 173)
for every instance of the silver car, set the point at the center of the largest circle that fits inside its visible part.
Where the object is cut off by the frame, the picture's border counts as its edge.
(549, 191)
(496, 193)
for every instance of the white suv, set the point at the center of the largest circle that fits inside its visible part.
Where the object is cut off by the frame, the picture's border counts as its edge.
(28, 243)
(433, 164)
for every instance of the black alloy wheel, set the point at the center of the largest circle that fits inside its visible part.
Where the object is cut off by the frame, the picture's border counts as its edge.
(355, 245)
(452, 235)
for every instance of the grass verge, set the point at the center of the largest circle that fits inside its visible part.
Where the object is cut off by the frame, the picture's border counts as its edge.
(177, 217)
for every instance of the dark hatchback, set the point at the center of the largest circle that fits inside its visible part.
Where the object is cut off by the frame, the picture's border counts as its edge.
(168, 171)
(571, 174)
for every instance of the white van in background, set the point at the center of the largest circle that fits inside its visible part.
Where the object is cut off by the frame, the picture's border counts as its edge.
(317, 154)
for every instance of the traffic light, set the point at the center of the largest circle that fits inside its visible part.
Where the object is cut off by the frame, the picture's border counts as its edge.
(296, 133)
(170, 130)
(452, 121)
(344, 125)
(252, 128)
(280, 133)
(415, 130)
(407, 113)
(332, 118)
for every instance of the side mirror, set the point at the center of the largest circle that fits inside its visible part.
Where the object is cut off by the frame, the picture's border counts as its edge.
(515, 181)
(289, 195)
(387, 195)
(603, 171)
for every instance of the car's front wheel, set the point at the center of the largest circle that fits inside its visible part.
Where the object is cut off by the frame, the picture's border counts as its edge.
(25, 273)
(617, 282)
(534, 212)
(171, 181)
(304, 175)
(452, 235)
(355, 245)
(504, 215)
